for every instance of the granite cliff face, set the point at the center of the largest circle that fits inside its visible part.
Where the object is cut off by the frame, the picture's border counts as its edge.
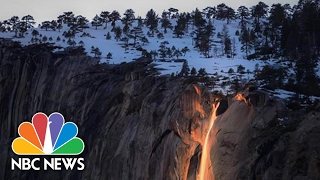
(139, 126)
(265, 143)
(132, 123)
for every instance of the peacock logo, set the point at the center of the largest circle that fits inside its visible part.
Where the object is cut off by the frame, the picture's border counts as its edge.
(48, 136)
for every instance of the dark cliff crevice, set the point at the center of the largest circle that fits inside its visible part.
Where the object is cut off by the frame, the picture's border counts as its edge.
(159, 140)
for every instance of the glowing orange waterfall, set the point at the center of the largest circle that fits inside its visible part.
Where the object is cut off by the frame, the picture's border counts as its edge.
(205, 149)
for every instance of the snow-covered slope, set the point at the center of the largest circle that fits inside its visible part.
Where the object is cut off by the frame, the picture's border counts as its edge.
(120, 54)
(218, 65)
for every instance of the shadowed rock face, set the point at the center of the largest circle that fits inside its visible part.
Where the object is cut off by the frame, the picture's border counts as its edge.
(134, 126)
(137, 126)
(264, 142)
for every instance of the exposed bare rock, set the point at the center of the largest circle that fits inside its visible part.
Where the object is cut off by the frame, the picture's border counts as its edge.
(138, 126)
(134, 125)
(252, 143)
(259, 98)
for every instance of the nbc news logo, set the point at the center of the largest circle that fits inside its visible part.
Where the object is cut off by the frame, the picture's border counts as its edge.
(47, 136)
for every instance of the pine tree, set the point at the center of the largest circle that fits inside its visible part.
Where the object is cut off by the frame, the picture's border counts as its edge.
(68, 17)
(233, 49)
(165, 22)
(185, 50)
(28, 21)
(163, 49)
(177, 53)
(151, 21)
(80, 23)
(243, 13)
(126, 29)
(260, 10)
(230, 71)
(14, 21)
(136, 34)
(114, 16)
(35, 33)
(54, 25)
(202, 72)
(185, 69)
(246, 41)
(254, 41)
(59, 24)
(188, 21)
(277, 15)
(227, 46)
(69, 34)
(226, 40)
(2, 26)
(199, 21)
(173, 48)
(44, 39)
(60, 19)
(126, 42)
(96, 51)
(169, 53)
(160, 35)
(21, 28)
(203, 38)
(268, 36)
(210, 12)
(277, 19)
(154, 54)
(193, 71)
(97, 21)
(127, 20)
(81, 43)
(240, 69)
(109, 55)
(108, 36)
(71, 42)
(179, 29)
(230, 14)
(221, 11)
(105, 17)
(225, 12)
(117, 32)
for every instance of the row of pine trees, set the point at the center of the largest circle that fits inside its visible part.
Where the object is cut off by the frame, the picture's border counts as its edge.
(277, 31)
(265, 31)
